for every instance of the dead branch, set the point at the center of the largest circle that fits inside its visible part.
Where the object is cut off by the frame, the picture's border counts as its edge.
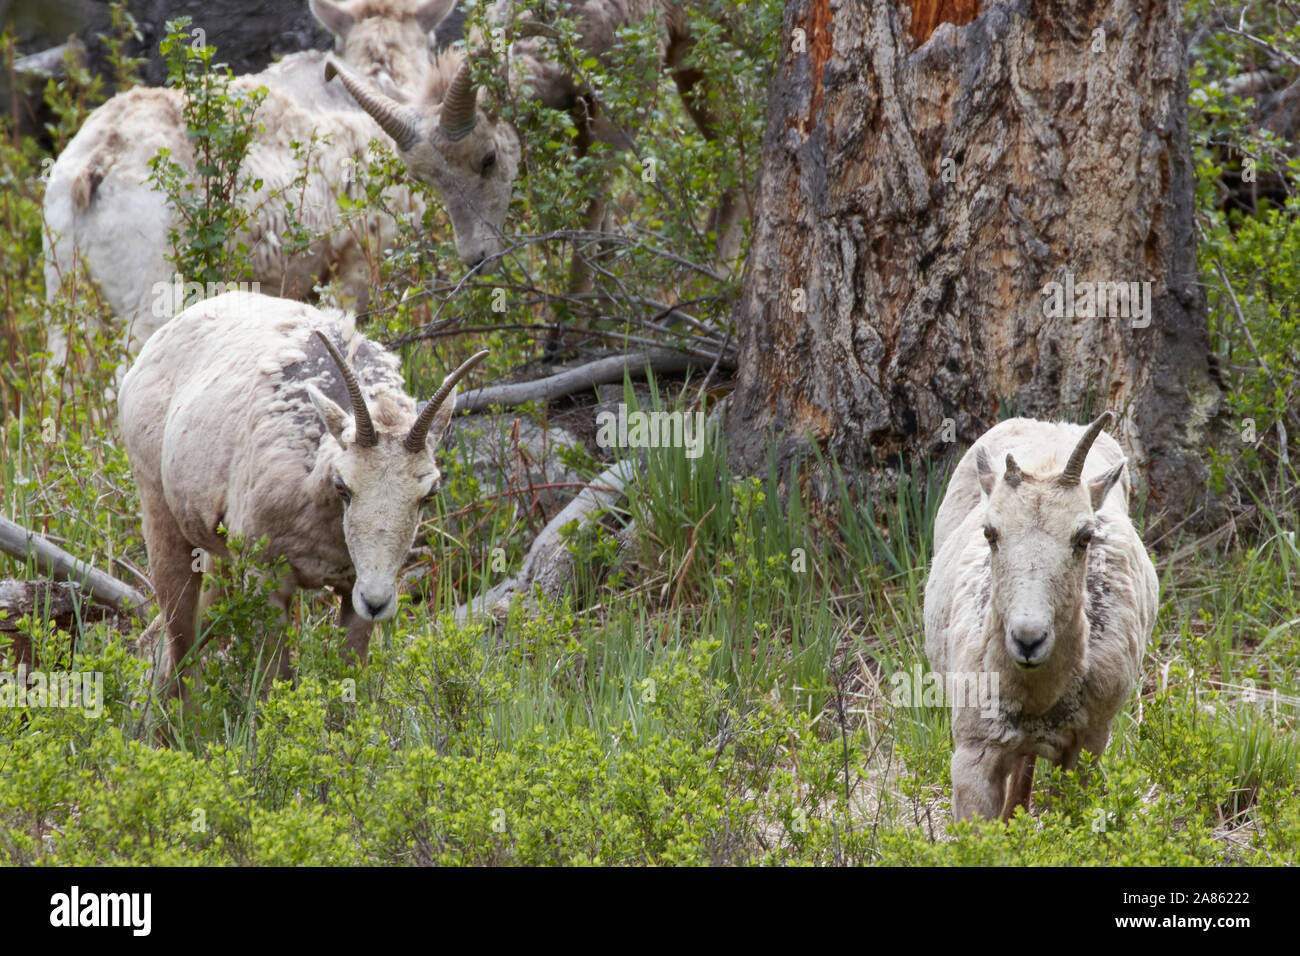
(599, 372)
(548, 563)
(18, 542)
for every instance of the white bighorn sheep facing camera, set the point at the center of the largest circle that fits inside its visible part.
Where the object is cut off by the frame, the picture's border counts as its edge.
(258, 416)
(470, 157)
(1038, 577)
(102, 213)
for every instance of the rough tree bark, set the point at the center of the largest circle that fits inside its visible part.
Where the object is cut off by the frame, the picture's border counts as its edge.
(921, 184)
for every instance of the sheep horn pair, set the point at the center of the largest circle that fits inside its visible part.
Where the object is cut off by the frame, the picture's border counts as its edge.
(1073, 472)
(459, 105)
(365, 429)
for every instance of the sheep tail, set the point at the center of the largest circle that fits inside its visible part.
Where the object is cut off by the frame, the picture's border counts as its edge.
(86, 182)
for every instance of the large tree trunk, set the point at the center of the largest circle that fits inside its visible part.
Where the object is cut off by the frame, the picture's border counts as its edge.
(922, 183)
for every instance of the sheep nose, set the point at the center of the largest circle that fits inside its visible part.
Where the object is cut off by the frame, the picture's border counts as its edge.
(484, 259)
(1028, 640)
(374, 610)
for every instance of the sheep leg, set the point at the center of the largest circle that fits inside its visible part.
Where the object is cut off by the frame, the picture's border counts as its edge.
(357, 642)
(1022, 786)
(580, 271)
(1094, 743)
(176, 585)
(353, 270)
(212, 592)
(726, 222)
(592, 128)
(279, 664)
(979, 775)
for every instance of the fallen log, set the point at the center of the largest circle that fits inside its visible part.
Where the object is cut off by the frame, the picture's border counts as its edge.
(51, 560)
(599, 372)
(60, 602)
(56, 599)
(548, 563)
(48, 64)
(548, 566)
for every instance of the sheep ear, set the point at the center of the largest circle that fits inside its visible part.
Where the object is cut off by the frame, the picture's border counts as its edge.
(432, 12)
(333, 17)
(1100, 486)
(331, 415)
(984, 469)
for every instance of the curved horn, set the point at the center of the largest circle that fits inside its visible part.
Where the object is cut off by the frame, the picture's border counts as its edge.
(1074, 467)
(366, 436)
(460, 105)
(1013, 475)
(415, 438)
(392, 118)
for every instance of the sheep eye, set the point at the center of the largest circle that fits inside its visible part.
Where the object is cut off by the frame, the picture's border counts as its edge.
(344, 491)
(1082, 539)
(991, 534)
(488, 162)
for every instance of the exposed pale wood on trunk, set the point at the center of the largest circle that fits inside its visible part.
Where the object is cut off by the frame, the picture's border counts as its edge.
(928, 14)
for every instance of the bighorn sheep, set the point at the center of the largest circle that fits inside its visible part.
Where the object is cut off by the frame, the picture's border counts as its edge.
(470, 158)
(1041, 582)
(243, 416)
(102, 212)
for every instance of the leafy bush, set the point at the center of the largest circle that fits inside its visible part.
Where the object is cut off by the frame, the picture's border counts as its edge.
(221, 125)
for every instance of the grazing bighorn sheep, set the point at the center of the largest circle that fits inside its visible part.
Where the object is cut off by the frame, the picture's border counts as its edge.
(1039, 578)
(242, 415)
(102, 212)
(470, 158)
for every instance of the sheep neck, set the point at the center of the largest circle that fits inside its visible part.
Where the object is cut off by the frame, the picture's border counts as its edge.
(319, 484)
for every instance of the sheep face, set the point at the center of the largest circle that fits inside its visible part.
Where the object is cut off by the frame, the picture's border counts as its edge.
(1038, 530)
(389, 39)
(474, 177)
(381, 490)
(381, 477)
(469, 158)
